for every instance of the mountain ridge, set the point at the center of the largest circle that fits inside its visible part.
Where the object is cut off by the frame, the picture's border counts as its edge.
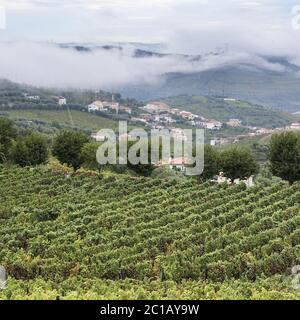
(267, 80)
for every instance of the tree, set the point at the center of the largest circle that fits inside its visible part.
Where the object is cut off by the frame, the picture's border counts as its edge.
(141, 169)
(7, 134)
(165, 173)
(30, 150)
(88, 154)
(211, 162)
(238, 162)
(67, 147)
(284, 156)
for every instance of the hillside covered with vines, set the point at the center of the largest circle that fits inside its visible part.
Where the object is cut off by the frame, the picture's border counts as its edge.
(134, 237)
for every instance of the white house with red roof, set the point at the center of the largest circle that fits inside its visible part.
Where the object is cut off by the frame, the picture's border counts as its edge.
(156, 107)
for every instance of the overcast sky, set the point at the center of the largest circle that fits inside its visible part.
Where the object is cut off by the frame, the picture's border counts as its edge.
(184, 25)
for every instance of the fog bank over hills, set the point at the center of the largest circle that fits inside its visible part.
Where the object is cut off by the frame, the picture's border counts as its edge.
(149, 71)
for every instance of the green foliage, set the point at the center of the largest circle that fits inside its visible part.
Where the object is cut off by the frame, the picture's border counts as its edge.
(140, 168)
(164, 172)
(7, 133)
(284, 156)
(88, 154)
(211, 162)
(238, 162)
(67, 147)
(78, 288)
(30, 150)
(56, 119)
(265, 176)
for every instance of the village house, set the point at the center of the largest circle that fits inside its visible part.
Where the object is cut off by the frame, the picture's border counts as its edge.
(31, 97)
(111, 105)
(175, 111)
(167, 119)
(234, 123)
(222, 179)
(34, 98)
(249, 182)
(295, 126)
(106, 105)
(147, 117)
(192, 123)
(62, 101)
(199, 124)
(96, 106)
(98, 137)
(178, 164)
(125, 136)
(135, 119)
(220, 141)
(264, 131)
(178, 134)
(251, 128)
(157, 107)
(212, 124)
(214, 142)
(156, 118)
(187, 115)
(125, 109)
(157, 127)
(230, 99)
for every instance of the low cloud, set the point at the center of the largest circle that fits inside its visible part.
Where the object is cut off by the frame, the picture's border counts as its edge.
(47, 65)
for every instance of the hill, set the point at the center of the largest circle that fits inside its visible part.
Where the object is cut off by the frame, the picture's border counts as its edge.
(127, 237)
(12, 99)
(267, 80)
(12, 95)
(280, 90)
(215, 107)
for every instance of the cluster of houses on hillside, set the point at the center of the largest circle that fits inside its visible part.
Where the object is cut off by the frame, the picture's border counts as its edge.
(159, 112)
(255, 132)
(159, 115)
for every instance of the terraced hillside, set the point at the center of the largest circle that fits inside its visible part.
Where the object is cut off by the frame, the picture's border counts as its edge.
(131, 237)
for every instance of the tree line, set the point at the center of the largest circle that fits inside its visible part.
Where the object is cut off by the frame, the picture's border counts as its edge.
(75, 149)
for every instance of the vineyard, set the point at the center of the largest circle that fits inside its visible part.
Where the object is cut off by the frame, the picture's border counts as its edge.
(126, 237)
